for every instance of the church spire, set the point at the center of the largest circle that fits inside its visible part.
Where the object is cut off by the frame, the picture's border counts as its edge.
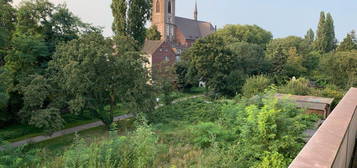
(196, 12)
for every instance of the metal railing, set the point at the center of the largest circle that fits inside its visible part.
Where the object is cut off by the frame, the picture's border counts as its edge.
(332, 146)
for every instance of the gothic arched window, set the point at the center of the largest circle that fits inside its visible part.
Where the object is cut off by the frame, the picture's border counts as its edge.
(169, 7)
(157, 6)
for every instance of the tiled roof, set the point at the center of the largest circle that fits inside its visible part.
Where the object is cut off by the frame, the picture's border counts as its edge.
(193, 29)
(151, 46)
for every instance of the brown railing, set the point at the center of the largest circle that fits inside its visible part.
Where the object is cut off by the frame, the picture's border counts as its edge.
(333, 144)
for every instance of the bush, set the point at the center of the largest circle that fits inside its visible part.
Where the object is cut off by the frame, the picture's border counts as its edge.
(255, 85)
(206, 133)
(299, 86)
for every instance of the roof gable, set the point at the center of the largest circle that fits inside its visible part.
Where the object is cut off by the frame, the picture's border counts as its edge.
(150, 46)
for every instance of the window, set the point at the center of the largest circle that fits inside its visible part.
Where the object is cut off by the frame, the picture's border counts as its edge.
(169, 7)
(177, 58)
(157, 6)
(166, 58)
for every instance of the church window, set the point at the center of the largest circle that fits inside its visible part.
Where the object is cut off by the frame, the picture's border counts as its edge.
(169, 7)
(157, 6)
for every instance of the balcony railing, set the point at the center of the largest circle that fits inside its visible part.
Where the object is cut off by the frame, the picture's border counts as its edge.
(332, 146)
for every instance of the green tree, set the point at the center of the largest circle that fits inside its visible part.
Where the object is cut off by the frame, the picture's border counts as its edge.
(214, 63)
(99, 80)
(290, 56)
(153, 34)
(139, 13)
(310, 36)
(321, 41)
(7, 26)
(25, 59)
(349, 43)
(54, 22)
(325, 40)
(119, 10)
(245, 33)
(278, 60)
(330, 33)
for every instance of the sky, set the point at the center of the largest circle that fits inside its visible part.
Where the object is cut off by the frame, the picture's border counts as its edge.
(281, 17)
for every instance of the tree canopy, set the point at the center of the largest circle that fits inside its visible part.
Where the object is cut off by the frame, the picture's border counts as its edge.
(245, 33)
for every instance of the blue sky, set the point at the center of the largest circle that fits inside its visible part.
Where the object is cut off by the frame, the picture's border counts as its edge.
(281, 17)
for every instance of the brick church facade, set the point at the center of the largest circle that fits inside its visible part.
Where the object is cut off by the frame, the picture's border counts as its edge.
(177, 33)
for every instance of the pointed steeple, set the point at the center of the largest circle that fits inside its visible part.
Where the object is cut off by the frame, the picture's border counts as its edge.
(196, 11)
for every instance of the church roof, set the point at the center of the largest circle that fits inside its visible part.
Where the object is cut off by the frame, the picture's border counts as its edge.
(151, 46)
(193, 29)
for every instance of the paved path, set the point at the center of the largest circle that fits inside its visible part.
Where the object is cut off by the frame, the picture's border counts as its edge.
(56, 134)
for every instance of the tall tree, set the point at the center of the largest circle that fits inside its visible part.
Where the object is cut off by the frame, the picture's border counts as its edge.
(330, 33)
(152, 33)
(349, 43)
(100, 80)
(310, 36)
(119, 9)
(139, 13)
(320, 43)
(325, 40)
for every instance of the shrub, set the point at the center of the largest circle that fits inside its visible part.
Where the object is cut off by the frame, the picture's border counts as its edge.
(297, 87)
(255, 85)
(206, 133)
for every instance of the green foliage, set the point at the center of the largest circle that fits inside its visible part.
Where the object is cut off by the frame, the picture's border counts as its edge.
(340, 68)
(349, 43)
(37, 110)
(273, 160)
(206, 133)
(215, 64)
(136, 150)
(290, 57)
(249, 57)
(299, 86)
(325, 39)
(95, 77)
(7, 26)
(256, 85)
(119, 9)
(139, 12)
(245, 33)
(130, 17)
(310, 36)
(152, 33)
(194, 110)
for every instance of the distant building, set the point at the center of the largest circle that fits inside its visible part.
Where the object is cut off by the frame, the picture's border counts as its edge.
(177, 33)
(315, 105)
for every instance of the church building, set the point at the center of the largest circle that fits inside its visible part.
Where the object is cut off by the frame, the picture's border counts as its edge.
(177, 33)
